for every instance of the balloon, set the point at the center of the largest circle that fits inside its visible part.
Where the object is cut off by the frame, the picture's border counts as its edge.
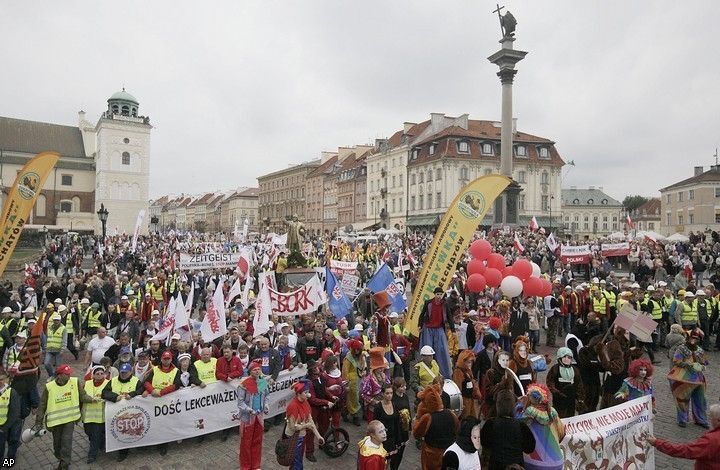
(547, 287)
(496, 261)
(536, 270)
(476, 283)
(480, 249)
(522, 269)
(493, 277)
(475, 266)
(533, 286)
(511, 286)
(507, 271)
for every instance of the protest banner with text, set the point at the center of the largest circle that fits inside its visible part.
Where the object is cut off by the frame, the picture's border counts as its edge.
(575, 254)
(210, 260)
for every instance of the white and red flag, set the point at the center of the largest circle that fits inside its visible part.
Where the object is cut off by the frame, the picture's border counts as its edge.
(518, 246)
(533, 225)
(213, 324)
(629, 222)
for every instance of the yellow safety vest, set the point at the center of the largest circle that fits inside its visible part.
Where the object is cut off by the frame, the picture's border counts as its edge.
(657, 310)
(600, 305)
(163, 379)
(425, 378)
(206, 370)
(620, 303)
(690, 313)
(2, 341)
(94, 319)
(63, 404)
(610, 296)
(54, 338)
(4, 404)
(94, 412)
(155, 293)
(68, 322)
(123, 387)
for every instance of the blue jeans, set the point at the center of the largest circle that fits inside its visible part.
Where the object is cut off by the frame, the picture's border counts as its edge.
(298, 454)
(12, 437)
(52, 360)
(96, 436)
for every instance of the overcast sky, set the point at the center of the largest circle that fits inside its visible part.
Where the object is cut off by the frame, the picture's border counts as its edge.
(237, 89)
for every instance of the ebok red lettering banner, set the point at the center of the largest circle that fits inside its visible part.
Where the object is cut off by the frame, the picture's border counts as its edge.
(575, 254)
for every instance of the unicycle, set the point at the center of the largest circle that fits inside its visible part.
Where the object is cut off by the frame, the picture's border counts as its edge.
(337, 441)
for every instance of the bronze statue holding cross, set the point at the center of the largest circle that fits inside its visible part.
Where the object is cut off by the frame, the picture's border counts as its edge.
(507, 22)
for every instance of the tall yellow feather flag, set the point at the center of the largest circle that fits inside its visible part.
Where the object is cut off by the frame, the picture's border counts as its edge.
(452, 238)
(20, 201)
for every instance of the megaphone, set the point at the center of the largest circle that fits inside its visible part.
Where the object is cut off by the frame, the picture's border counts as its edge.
(31, 433)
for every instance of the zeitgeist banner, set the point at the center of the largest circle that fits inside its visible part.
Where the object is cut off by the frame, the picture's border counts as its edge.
(185, 413)
(575, 254)
(209, 260)
(611, 438)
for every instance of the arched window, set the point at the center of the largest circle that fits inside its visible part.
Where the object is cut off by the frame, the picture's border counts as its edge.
(422, 177)
(76, 204)
(464, 173)
(438, 174)
(134, 111)
(125, 110)
(429, 175)
(115, 109)
(125, 158)
(40, 205)
(66, 206)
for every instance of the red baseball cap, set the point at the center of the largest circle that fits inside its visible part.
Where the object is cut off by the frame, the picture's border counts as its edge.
(63, 369)
(166, 355)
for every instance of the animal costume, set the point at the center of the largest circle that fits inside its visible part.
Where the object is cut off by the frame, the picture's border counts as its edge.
(522, 365)
(565, 383)
(495, 379)
(636, 385)
(687, 380)
(437, 428)
(545, 424)
(463, 378)
(590, 369)
(613, 357)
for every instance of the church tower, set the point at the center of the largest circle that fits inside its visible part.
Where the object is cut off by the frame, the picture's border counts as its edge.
(122, 163)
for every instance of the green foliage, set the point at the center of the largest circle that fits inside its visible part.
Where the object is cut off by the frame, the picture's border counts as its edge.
(633, 202)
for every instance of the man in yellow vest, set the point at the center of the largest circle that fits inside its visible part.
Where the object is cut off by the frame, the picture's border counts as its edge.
(205, 367)
(123, 387)
(10, 421)
(161, 381)
(93, 414)
(426, 369)
(687, 311)
(60, 409)
(55, 343)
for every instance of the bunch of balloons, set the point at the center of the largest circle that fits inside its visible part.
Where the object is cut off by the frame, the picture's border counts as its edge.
(488, 269)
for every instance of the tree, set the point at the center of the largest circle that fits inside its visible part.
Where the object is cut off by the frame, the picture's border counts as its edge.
(631, 203)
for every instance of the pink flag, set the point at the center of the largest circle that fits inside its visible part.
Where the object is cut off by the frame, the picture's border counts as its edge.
(533, 225)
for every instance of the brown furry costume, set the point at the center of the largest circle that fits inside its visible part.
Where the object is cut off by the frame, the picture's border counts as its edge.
(463, 378)
(614, 358)
(436, 426)
(495, 379)
(522, 367)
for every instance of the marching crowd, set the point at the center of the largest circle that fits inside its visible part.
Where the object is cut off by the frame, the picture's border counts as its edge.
(473, 369)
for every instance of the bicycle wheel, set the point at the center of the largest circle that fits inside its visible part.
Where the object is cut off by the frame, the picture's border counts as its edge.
(337, 442)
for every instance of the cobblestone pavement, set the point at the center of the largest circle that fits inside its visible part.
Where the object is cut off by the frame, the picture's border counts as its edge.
(212, 453)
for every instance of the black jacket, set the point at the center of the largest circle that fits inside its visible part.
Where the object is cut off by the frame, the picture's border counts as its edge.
(424, 315)
(508, 438)
(275, 362)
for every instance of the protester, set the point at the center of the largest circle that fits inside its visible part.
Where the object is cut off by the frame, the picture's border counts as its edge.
(10, 418)
(299, 420)
(464, 453)
(504, 438)
(252, 401)
(93, 413)
(687, 380)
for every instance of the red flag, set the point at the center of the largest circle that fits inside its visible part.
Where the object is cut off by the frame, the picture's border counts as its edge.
(533, 225)
(518, 246)
(29, 357)
(629, 222)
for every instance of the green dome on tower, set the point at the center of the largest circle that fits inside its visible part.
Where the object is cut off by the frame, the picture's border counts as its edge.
(123, 96)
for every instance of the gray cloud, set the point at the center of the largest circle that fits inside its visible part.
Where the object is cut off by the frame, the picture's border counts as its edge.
(238, 89)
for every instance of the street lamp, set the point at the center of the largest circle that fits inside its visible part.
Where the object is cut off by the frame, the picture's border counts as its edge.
(552, 198)
(102, 214)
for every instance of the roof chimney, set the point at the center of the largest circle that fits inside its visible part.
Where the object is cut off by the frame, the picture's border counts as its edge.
(407, 126)
(698, 170)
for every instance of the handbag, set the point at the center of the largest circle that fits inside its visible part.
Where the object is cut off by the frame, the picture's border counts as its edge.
(285, 449)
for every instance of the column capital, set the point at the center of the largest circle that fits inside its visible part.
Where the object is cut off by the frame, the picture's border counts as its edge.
(507, 76)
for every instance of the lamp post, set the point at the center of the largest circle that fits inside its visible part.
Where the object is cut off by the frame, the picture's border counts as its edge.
(552, 198)
(102, 214)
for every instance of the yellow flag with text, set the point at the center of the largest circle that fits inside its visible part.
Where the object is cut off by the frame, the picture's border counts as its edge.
(452, 238)
(20, 201)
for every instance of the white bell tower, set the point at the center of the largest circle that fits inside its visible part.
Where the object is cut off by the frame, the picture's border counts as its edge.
(122, 164)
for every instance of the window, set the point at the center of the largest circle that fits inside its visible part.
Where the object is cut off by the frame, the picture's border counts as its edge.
(115, 109)
(125, 110)
(393, 181)
(438, 174)
(614, 218)
(432, 149)
(464, 173)
(521, 177)
(412, 203)
(605, 226)
(126, 140)
(429, 201)
(680, 196)
(414, 154)
(680, 219)
(487, 149)
(438, 200)
(487, 171)
(521, 203)
(544, 178)
(422, 177)
(651, 225)
(521, 151)
(40, 205)
(420, 203)
(463, 146)
(614, 226)
(545, 200)
(717, 192)
(586, 226)
(667, 198)
(590, 202)
(605, 218)
(576, 201)
(691, 195)
(429, 176)
(412, 178)
(577, 218)
(66, 206)
(717, 218)
(125, 158)
(76, 204)
(393, 205)
(372, 206)
(66, 180)
(691, 219)
(586, 218)
(544, 153)
(400, 201)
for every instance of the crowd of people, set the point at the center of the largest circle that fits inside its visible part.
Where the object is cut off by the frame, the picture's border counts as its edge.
(105, 301)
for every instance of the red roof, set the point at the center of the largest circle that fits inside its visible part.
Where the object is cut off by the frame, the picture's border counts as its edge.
(324, 168)
(249, 192)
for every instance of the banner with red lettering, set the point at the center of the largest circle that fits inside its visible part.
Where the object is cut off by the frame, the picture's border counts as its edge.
(307, 299)
(615, 249)
(575, 254)
(615, 437)
(213, 324)
(339, 268)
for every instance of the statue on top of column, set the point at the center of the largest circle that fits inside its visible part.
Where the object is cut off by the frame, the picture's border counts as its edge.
(507, 23)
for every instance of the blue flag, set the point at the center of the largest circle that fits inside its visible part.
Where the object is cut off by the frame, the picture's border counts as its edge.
(383, 280)
(340, 305)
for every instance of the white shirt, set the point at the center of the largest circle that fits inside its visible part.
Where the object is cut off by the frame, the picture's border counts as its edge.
(98, 347)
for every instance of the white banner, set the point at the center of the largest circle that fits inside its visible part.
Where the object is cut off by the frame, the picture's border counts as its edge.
(349, 285)
(307, 299)
(213, 323)
(186, 413)
(615, 249)
(575, 254)
(611, 438)
(337, 266)
(210, 260)
(138, 224)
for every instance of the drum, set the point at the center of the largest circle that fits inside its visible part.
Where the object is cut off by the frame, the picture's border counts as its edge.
(456, 402)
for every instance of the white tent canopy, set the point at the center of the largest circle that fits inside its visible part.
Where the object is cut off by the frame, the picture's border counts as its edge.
(617, 236)
(678, 237)
(654, 235)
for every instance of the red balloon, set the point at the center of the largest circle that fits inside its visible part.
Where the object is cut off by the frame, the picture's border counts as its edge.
(533, 286)
(496, 261)
(507, 271)
(547, 287)
(522, 269)
(476, 283)
(480, 249)
(493, 277)
(475, 266)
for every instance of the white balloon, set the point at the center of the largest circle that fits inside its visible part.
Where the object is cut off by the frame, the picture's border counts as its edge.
(536, 270)
(511, 286)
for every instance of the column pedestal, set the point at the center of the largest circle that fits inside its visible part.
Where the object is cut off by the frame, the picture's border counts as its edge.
(506, 206)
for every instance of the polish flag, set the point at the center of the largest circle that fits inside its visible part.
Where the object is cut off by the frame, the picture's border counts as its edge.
(650, 238)
(518, 246)
(551, 243)
(533, 225)
(629, 222)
